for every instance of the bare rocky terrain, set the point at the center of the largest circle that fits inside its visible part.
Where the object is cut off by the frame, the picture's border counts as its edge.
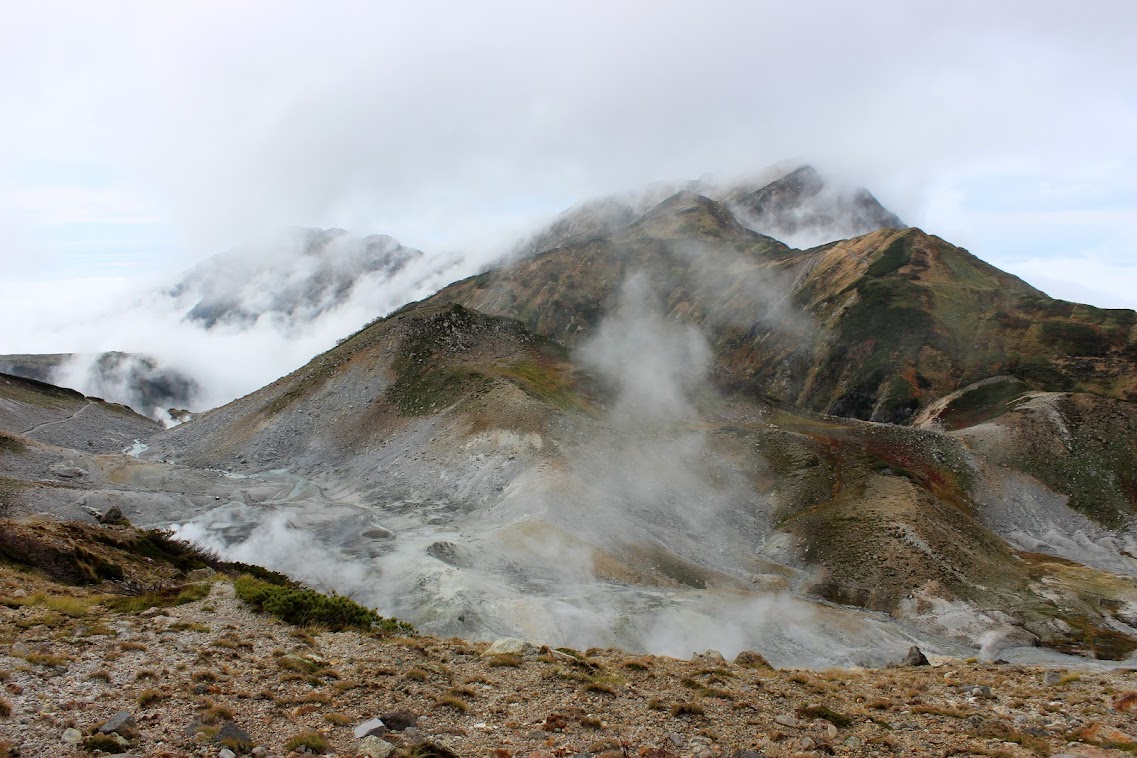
(207, 668)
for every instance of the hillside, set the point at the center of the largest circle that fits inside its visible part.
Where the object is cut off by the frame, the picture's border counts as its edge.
(191, 669)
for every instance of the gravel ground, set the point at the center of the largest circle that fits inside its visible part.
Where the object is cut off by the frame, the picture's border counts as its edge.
(184, 671)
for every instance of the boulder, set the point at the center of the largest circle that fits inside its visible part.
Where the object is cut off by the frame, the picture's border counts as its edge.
(752, 660)
(915, 657)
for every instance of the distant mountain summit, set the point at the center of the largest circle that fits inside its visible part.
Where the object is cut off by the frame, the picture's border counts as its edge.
(803, 209)
(298, 278)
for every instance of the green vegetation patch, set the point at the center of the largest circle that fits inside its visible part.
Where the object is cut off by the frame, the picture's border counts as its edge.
(893, 257)
(306, 607)
(1073, 338)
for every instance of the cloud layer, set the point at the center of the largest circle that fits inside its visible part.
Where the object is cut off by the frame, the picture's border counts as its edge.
(460, 126)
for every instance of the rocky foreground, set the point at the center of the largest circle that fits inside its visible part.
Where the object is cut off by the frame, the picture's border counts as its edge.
(202, 674)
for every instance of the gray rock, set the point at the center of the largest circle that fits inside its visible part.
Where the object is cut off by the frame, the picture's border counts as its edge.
(399, 721)
(976, 690)
(374, 727)
(752, 660)
(373, 747)
(915, 657)
(260, 751)
(113, 516)
(1050, 678)
(508, 646)
(854, 742)
(72, 736)
(745, 754)
(711, 658)
(675, 739)
(122, 723)
(200, 575)
(226, 753)
(233, 735)
(786, 719)
(21, 649)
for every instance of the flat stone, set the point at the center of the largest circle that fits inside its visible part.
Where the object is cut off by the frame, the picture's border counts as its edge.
(374, 727)
(786, 719)
(510, 646)
(1050, 678)
(21, 649)
(226, 753)
(854, 741)
(72, 736)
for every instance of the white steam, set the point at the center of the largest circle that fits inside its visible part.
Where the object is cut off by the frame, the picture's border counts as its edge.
(278, 545)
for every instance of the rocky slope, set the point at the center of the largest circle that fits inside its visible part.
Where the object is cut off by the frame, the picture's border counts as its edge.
(192, 670)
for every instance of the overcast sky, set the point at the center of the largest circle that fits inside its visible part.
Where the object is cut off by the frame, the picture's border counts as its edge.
(136, 138)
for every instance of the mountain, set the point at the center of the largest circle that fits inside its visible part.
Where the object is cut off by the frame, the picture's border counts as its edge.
(296, 279)
(803, 209)
(683, 433)
(260, 309)
(800, 208)
(131, 379)
(874, 327)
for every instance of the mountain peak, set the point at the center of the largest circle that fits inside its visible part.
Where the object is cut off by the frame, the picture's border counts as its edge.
(802, 209)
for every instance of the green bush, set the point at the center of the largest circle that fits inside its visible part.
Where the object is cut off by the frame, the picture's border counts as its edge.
(306, 607)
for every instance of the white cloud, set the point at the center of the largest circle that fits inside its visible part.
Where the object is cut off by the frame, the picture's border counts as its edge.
(451, 126)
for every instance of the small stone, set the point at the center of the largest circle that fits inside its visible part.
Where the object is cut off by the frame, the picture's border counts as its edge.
(122, 723)
(854, 741)
(831, 730)
(806, 743)
(1050, 678)
(367, 728)
(675, 739)
(915, 657)
(745, 754)
(978, 690)
(20, 649)
(226, 753)
(373, 747)
(260, 751)
(72, 736)
(200, 575)
(786, 719)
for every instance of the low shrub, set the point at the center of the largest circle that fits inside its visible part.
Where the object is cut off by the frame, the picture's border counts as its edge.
(306, 607)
